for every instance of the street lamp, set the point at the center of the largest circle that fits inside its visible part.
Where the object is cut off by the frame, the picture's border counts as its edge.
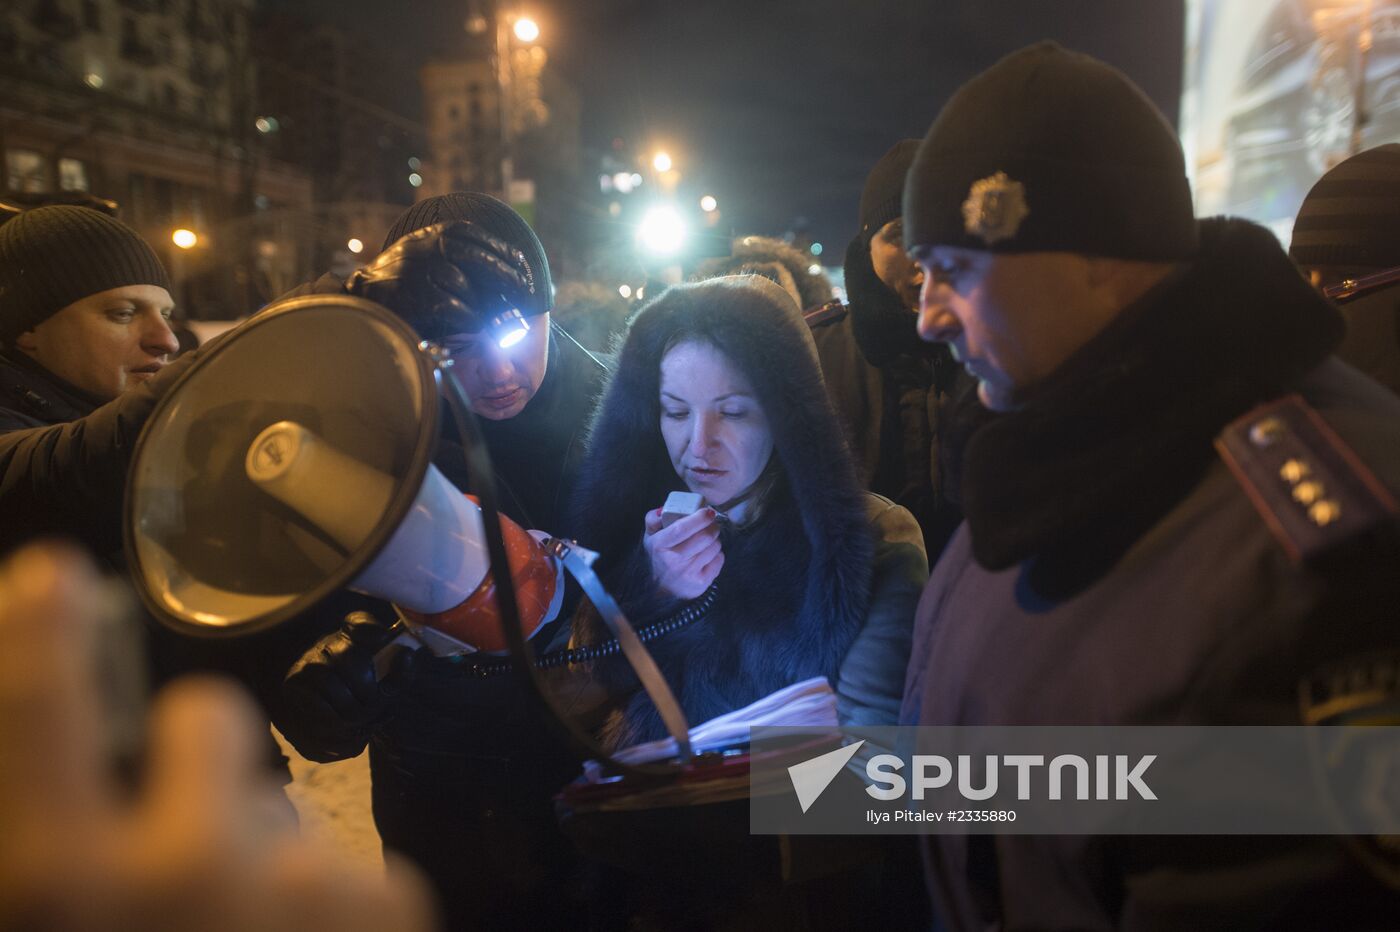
(662, 231)
(526, 29)
(708, 204)
(185, 239)
(661, 161)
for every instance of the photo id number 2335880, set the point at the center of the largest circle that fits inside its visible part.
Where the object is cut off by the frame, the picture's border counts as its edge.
(946, 815)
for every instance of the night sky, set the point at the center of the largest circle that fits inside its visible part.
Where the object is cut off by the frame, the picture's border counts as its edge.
(779, 108)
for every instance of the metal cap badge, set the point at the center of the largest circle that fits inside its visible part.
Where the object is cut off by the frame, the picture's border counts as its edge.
(995, 208)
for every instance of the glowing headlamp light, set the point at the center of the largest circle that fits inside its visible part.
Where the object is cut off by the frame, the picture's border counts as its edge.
(508, 328)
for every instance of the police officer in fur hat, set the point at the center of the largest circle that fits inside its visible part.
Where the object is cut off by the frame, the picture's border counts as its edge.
(1140, 547)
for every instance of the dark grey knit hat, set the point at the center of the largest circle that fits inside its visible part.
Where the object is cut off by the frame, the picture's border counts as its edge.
(495, 217)
(53, 256)
(1351, 217)
(882, 200)
(1051, 151)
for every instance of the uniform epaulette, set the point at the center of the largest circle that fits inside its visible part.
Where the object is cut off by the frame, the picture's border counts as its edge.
(1310, 487)
(825, 313)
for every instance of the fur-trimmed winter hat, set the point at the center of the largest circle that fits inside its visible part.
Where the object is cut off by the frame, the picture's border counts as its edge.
(53, 256)
(1051, 151)
(495, 217)
(882, 199)
(1351, 217)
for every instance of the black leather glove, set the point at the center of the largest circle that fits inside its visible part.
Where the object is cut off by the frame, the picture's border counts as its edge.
(448, 278)
(331, 700)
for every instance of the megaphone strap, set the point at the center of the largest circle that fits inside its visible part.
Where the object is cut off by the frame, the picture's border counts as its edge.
(574, 656)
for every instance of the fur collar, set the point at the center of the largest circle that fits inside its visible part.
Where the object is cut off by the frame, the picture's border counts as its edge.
(1124, 429)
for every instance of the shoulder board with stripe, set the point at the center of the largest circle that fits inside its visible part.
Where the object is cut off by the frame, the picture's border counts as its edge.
(1311, 489)
(825, 313)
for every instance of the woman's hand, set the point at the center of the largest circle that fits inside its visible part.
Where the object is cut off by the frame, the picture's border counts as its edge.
(685, 557)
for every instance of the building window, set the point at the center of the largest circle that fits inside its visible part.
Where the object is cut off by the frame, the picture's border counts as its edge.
(26, 171)
(72, 175)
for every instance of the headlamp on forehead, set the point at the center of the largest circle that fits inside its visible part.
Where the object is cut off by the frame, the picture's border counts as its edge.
(508, 328)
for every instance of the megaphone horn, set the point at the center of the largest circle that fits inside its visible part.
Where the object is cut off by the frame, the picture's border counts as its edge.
(435, 566)
(293, 461)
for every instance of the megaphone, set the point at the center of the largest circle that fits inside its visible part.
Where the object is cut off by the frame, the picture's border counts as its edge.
(292, 461)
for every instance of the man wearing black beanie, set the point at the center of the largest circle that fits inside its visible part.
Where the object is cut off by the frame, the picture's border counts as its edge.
(1180, 507)
(84, 308)
(84, 314)
(890, 388)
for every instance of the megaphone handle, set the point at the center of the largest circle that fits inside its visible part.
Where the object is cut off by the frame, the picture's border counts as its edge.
(384, 658)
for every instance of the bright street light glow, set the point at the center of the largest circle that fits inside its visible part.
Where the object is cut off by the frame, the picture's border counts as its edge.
(415, 179)
(662, 231)
(526, 29)
(183, 238)
(265, 124)
(354, 245)
(93, 80)
(814, 269)
(708, 204)
(625, 290)
(661, 162)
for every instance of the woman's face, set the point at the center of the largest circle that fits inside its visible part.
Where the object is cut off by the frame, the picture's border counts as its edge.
(715, 431)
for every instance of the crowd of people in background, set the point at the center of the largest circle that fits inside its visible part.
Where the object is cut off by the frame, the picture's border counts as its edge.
(987, 488)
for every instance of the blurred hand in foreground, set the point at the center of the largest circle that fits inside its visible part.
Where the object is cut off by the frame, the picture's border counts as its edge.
(204, 843)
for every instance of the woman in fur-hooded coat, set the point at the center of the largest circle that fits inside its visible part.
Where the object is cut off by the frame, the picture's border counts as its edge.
(795, 589)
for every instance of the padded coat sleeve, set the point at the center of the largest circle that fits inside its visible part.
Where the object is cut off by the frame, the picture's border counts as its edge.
(870, 685)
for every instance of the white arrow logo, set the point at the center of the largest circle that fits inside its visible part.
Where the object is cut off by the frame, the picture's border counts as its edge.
(811, 777)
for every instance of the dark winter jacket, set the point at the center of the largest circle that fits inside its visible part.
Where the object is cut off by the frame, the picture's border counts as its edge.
(891, 391)
(795, 589)
(64, 455)
(1112, 570)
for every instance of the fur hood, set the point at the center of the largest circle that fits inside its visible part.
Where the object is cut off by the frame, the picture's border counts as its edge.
(775, 260)
(795, 586)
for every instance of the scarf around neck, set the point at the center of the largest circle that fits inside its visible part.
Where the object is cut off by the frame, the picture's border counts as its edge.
(1123, 430)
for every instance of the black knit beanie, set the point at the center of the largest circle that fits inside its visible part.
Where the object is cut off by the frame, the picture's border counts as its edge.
(1351, 217)
(1051, 151)
(53, 256)
(883, 197)
(496, 218)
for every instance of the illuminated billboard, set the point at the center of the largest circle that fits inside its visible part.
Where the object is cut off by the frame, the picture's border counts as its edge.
(1271, 98)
